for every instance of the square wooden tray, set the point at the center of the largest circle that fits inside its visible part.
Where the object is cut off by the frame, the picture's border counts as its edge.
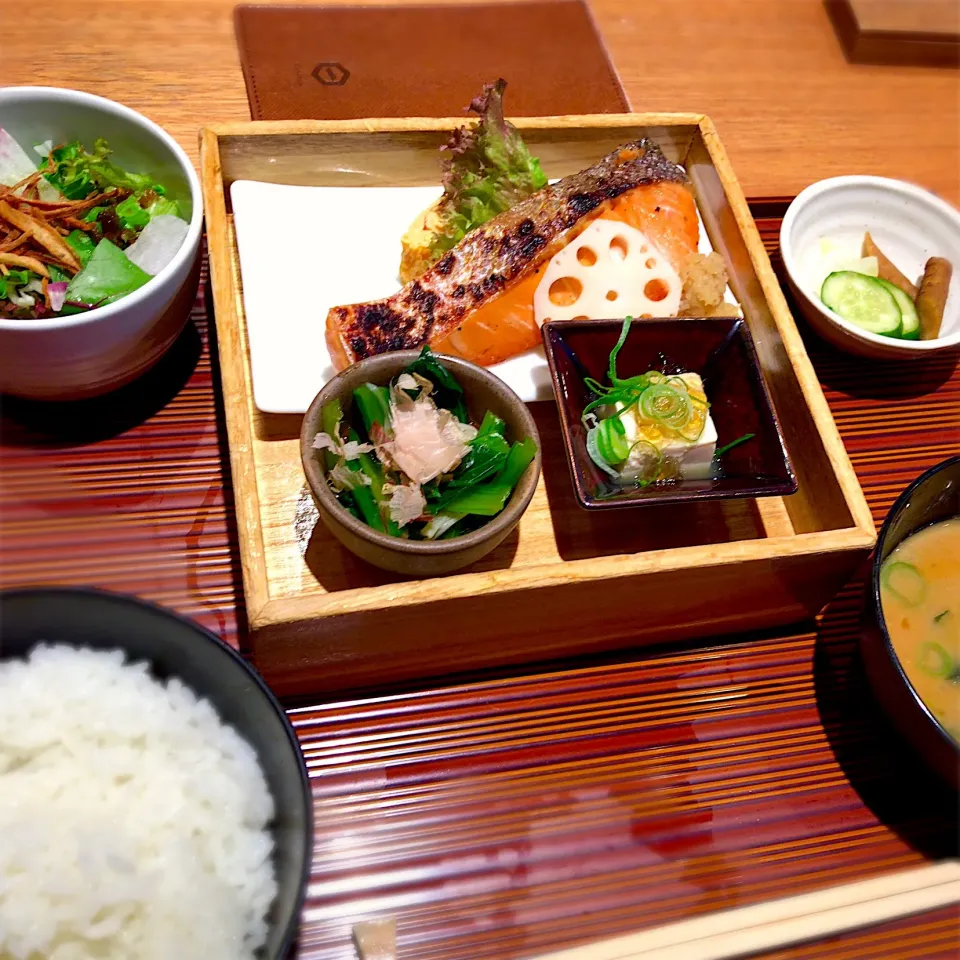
(568, 581)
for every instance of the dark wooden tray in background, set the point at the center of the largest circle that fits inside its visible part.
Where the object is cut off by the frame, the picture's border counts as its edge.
(898, 32)
(506, 815)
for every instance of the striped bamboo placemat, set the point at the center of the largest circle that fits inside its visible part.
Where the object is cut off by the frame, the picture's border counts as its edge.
(510, 816)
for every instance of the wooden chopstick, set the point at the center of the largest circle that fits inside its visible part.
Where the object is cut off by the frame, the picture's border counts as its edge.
(376, 939)
(779, 923)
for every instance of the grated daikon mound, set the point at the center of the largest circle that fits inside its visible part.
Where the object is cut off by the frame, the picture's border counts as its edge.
(133, 822)
(704, 286)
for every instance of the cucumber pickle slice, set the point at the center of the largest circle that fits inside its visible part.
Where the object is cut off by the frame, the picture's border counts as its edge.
(908, 312)
(864, 301)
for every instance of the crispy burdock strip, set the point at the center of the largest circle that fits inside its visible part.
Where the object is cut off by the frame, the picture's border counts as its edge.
(76, 206)
(887, 269)
(30, 263)
(14, 239)
(55, 208)
(44, 257)
(27, 182)
(932, 298)
(79, 224)
(41, 232)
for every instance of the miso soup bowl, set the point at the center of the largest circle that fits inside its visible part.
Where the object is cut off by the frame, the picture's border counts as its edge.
(68, 358)
(932, 497)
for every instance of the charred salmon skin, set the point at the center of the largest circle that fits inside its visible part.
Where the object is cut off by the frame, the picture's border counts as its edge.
(477, 301)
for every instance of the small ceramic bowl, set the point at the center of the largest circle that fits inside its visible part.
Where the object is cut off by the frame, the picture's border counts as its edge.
(484, 391)
(721, 351)
(909, 225)
(932, 497)
(177, 647)
(68, 358)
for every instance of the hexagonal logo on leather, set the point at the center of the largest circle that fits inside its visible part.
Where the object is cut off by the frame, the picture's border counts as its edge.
(331, 74)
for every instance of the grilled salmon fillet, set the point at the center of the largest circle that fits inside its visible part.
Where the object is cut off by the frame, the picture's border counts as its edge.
(459, 295)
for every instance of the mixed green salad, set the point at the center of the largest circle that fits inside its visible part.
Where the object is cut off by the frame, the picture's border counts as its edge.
(486, 169)
(77, 231)
(408, 462)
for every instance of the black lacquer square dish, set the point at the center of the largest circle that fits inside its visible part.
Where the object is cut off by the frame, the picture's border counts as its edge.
(721, 351)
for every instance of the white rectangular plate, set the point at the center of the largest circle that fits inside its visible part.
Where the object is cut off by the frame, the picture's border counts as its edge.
(304, 250)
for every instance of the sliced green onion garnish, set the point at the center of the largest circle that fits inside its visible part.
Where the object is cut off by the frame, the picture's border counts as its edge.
(612, 371)
(665, 405)
(732, 444)
(904, 581)
(934, 660)
(612, 440)
(627, 395)
(595, 455)
(692, 430)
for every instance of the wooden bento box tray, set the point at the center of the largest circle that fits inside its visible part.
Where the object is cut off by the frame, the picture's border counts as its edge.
(568, 581)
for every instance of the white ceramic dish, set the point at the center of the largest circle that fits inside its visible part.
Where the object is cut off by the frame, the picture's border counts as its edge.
(344, 245)
(91, 353)
(909, 224)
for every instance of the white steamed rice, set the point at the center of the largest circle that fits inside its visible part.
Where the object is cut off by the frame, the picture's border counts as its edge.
(133, 822)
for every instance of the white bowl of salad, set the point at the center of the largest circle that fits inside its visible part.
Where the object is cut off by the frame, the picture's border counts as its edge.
(874, 266)
(100, 226)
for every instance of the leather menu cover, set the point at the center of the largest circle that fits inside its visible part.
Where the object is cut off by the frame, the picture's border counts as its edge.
(338, 63)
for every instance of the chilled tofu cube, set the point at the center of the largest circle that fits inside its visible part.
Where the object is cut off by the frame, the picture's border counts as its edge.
(694, 456)
(697, 458)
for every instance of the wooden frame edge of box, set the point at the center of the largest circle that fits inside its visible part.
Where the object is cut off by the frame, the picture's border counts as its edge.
(227, 321)
(789, 334)
(405, 594)
(441, 124)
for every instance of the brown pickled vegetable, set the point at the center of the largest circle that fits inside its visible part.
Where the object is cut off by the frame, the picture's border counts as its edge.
(888, 270)
(932, 297)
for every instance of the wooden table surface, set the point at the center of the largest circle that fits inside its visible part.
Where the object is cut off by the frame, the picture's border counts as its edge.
(770, 73)
(502, 817)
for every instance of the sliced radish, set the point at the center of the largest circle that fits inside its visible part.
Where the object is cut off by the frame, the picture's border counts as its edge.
(16, 165)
